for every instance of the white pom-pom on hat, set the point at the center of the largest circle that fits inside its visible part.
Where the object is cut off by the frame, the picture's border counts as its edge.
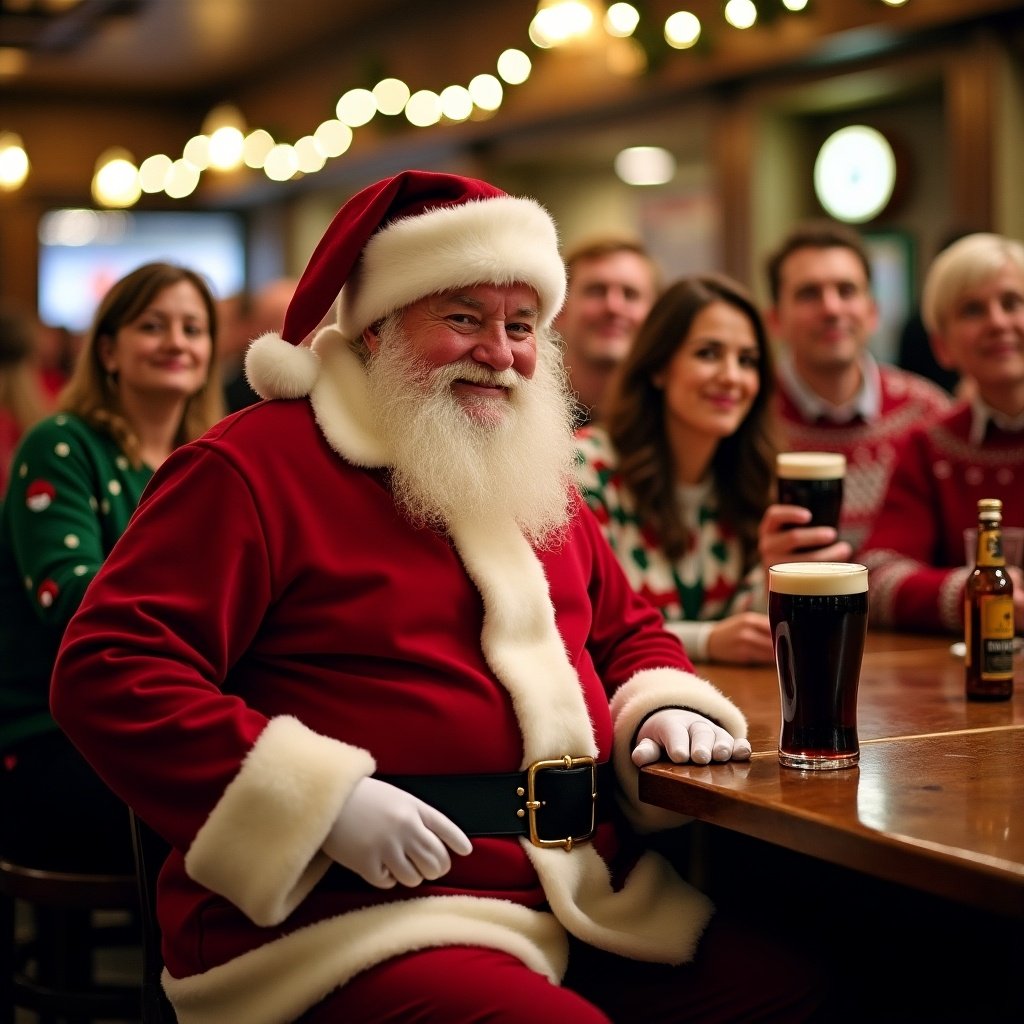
(275, 368)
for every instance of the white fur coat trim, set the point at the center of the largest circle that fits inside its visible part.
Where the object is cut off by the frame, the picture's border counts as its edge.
(341, 403)
(655, 915)
(632, 702)
(280, 980)
(503, 240)
(260, 846)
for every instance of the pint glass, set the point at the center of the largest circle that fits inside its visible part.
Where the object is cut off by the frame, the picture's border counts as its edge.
(819, 616)
(813, 480)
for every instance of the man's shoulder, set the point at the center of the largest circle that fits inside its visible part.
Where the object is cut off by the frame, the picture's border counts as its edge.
(900, 386)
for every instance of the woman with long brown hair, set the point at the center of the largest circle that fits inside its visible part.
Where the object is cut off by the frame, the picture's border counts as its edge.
(143, 384)
(682, 471)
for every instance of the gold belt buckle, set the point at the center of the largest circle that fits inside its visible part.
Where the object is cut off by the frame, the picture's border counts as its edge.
(533, 804)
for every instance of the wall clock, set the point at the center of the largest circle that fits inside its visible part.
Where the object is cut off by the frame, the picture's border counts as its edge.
(855, 174)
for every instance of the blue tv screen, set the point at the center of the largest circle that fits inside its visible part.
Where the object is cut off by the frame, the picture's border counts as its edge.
(83, 252)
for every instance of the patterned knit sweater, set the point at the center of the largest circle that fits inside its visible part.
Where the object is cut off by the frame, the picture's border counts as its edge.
(916, 550)
(70, 496)
(869, 446)
(703, 586)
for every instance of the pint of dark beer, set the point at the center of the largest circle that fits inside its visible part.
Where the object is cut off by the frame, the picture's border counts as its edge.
(813, 480)
(818, 613)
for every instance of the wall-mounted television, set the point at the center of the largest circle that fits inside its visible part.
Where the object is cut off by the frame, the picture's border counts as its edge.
(83, 252)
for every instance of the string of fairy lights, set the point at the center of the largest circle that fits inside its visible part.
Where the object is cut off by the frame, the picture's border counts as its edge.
(225, 143)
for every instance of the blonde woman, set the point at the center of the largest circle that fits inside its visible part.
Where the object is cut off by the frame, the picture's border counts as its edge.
(141, 387)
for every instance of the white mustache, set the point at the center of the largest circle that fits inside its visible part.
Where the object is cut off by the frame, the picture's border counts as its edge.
(476, 374)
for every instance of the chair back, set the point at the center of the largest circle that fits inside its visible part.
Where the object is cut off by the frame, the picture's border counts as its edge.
(50, 970)
(150, 853)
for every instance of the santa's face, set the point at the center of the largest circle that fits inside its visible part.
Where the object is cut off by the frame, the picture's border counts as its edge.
(478, 420)
(488, 331)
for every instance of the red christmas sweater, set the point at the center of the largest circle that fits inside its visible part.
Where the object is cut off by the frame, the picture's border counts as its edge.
(906, 400)
(916, 550)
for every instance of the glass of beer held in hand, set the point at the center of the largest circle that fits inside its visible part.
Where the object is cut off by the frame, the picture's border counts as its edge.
(818, 613)
(813, 480)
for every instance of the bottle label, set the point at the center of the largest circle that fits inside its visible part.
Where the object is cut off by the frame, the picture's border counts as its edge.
(996, 621)
(990, 550)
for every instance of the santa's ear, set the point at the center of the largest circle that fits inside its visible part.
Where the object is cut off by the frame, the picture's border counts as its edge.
(371, 336)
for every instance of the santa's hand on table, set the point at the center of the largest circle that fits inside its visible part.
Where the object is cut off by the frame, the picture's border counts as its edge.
(684, 736)
(387, 836)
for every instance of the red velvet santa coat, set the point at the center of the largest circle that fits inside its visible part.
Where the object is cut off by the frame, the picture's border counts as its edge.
(916, 550)
(269, 630)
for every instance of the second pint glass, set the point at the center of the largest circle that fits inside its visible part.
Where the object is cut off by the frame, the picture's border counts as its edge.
(819, 615)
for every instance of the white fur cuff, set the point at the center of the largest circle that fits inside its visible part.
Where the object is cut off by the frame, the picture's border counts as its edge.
(645, 693)
(260, 846)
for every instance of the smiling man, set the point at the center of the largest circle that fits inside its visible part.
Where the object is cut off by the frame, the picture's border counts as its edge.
(833, 395)
(368, 664)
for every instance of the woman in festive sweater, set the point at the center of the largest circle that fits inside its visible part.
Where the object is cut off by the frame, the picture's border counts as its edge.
(973, 307)
(682, 475)
(138, 391)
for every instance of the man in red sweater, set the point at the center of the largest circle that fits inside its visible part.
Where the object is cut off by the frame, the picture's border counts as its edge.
(833, 395)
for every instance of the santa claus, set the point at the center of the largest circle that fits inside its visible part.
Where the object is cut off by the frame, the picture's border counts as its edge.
(368, 665)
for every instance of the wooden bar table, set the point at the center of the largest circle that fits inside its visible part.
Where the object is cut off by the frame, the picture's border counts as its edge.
(936, 804)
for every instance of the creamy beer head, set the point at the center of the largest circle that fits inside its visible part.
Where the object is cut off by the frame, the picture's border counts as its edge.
(818, 579)
(814, 481)
(810, 465)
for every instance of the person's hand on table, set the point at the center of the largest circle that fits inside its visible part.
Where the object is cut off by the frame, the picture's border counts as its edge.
(777, 544)
(685, 736)
(387, 836)
(742, 639)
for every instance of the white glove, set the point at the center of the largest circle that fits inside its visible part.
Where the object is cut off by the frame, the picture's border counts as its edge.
(686, 736)
(387, 836)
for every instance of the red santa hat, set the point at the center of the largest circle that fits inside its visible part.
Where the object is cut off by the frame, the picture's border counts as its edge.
(396, 241)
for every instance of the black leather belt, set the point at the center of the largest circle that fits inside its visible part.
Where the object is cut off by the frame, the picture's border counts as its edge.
(553, 802)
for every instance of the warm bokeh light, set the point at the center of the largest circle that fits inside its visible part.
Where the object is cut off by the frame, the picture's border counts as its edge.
(308, 157)
(645, 165)
(456, 103)
(257, 145)
(226, 148)
(154, 172)
(423, 108)
(182, 180)
(281, 163)
(116, 181)
(197, 152)
(333, 138)
(14, 162)
(487, 92)
(682, 30)
(740, 13)
(621, 20)
(794, 5)
(514, 66)
(356, 107)
(560, 21)
(391, 96)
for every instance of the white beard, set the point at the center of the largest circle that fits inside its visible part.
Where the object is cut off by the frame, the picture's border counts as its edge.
(449, 466)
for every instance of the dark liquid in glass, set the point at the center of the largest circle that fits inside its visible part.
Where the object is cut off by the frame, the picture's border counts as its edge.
(823, 497)
(819, 644)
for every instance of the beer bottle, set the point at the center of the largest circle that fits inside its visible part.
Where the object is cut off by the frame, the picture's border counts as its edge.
(988, 612)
